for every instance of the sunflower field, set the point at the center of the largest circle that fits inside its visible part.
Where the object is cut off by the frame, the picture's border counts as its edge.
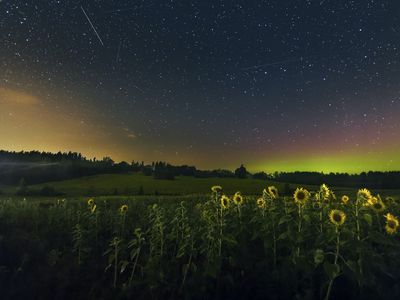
(312, 245)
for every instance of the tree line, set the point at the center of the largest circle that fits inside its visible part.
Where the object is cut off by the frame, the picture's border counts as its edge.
(38, 167)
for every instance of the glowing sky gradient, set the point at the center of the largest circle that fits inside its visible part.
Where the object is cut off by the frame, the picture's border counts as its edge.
(276, 85)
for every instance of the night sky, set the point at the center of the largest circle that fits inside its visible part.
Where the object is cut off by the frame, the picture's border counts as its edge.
(276, 85)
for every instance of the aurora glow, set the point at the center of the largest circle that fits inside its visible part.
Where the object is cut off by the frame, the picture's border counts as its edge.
(276, 85)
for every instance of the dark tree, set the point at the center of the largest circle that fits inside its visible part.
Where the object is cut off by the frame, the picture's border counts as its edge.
(241, 172)
(260, 175)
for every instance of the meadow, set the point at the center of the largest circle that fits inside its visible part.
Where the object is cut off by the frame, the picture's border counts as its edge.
(134, 184)
(312, 244)
(137, 183)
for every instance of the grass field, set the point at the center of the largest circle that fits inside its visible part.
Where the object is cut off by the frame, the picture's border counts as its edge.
(132, 184)
(128, 184)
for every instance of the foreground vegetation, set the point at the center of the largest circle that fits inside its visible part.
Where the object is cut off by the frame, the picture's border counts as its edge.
(311, 245)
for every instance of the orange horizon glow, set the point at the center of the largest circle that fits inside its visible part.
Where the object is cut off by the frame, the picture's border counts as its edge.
(32, 122)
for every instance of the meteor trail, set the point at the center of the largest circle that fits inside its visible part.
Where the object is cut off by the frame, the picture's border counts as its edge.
(274, 63)
(91, 24)
(121, 42)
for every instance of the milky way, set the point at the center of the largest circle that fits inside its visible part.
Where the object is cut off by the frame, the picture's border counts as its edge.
(276, 85)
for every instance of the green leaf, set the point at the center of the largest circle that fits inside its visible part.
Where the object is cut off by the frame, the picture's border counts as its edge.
(331, 270)
(306, 218)
(108, 267)
(124, 264)
(319, 256)
(229, 240)
(368, 219)
(284, 219)
(282, 236)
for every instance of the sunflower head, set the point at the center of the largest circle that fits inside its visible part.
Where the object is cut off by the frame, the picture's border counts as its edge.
(345, 199)
(238, 198)
(90, 202)
(392, 223)
(123, 209)
(216, 188)
(376, 204)
(225, 202)
(390, 200)
(325, 191)
(273, 192)
(337, 217)
(317, 197)
(261, 203)
(364, 194)
(301, 196)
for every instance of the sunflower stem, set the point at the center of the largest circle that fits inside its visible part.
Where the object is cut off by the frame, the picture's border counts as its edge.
(320, 218)
(299, 228)
(328, 292)
(357, 221)
(220, 231)
(285, 206)
(240, 216)
(187, 270)
(379, 221)
(97, 230)
(115, 263)
(274, 235)
(134, 266)
(123, 225)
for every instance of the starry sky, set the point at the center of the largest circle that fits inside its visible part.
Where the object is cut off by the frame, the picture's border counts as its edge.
(275, 85)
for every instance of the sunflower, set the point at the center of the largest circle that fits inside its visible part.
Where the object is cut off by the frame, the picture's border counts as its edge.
(238, 199)
(90, 202)
(225, 201)
(345, 199)
(392, 223)
(301, 196)
(325, 191)
(317, 197)
(123, 209)
(376, 204)
(261, 203)
(273, 192)
(216, 188)
(337, 217)
(364, 194)
(390, 200)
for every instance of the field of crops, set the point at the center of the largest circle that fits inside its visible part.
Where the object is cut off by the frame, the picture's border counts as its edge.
(132, 183)
(312, 245)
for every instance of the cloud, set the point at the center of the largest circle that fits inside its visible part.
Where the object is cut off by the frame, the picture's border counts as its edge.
(17, 97)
